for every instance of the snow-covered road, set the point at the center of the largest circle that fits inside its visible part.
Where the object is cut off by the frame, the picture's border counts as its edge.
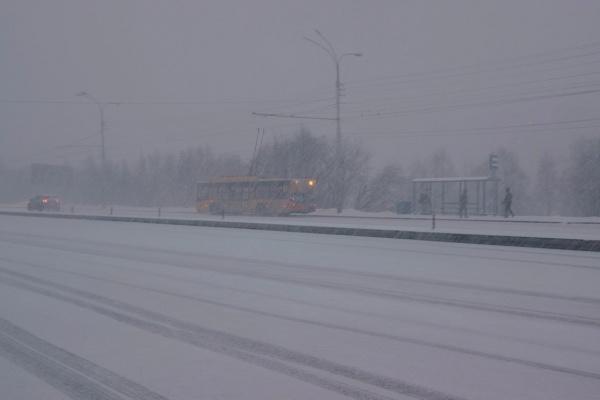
(108, 310)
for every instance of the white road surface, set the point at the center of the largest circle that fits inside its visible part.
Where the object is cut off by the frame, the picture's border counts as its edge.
(113, 310)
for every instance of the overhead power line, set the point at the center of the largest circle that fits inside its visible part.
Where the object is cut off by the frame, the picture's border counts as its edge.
(460, 71)
(480, 131)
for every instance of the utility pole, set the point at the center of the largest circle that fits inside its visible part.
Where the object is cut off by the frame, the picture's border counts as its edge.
(102, 124)
(339, 184)
(103, 147)
(255, 155)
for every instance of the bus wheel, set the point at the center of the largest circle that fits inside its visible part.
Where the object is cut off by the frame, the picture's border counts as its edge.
(261, 210)
(214, 208)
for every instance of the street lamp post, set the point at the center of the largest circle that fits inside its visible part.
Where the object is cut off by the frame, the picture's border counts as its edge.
(339, 198)
(102, 127)
(102, 124)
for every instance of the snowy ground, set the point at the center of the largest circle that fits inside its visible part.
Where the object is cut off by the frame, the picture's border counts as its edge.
(105, 310)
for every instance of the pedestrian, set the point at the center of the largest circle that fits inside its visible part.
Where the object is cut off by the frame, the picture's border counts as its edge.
(508, 204)
(462, 204)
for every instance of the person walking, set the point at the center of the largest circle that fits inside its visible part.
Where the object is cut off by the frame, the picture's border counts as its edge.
(462, 204)
(508, 204)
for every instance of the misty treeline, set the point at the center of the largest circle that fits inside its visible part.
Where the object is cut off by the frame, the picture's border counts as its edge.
(568, 186)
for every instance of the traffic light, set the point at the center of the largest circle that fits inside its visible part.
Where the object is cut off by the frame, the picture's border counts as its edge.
(493, 162)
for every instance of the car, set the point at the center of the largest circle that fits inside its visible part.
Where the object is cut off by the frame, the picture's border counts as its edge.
(41, 203)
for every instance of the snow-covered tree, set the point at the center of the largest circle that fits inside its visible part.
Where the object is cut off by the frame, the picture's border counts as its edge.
(383, 191)
(584, 177)
(440, 165)
(548, 186)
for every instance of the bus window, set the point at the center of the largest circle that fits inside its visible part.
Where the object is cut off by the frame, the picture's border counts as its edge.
(203, 192)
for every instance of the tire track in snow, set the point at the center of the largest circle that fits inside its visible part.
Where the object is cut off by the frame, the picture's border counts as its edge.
(374, 292)
(404, 339)
(275, 358)
(522, 312)
(276, 297)
(74, 385)
(110, 250)
(224, 269)
(80, 365)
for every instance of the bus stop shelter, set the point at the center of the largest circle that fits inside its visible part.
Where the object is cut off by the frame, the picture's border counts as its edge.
(442, 195)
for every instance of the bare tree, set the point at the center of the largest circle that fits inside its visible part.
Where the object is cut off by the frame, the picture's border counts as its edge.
(302, 156)
(306, 156)
(383, 191)
(354, 170)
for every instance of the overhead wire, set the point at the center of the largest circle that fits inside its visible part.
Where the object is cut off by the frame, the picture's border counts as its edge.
(463, 98)
(459, 71)
(406, 103)
(450, 80)
(473, 101)
(522, 128)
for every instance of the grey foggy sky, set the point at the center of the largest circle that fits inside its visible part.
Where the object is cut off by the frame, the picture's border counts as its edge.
(435, 74)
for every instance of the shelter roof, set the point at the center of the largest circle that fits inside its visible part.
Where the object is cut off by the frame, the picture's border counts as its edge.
(458, 179)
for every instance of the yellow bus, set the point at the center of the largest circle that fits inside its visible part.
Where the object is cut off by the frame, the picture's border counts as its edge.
(252, 195)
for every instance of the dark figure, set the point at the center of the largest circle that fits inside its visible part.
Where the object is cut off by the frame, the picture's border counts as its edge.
(508, 203)
(462, 204)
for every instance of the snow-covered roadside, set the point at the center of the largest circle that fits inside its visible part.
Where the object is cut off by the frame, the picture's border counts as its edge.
(526, 226)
